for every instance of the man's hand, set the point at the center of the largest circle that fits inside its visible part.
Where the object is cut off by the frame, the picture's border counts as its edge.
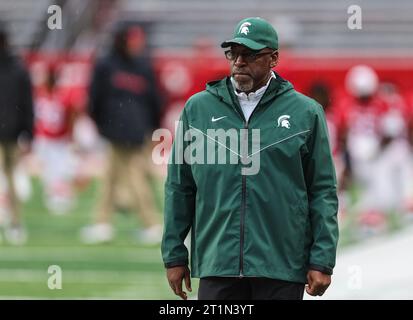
(318, 282)
(24, 148)
(175, 276)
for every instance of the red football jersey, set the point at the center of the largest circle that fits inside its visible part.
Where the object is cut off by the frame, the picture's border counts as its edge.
(53, 112)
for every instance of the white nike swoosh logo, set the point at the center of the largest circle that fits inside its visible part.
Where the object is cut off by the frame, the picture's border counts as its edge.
(213, 119)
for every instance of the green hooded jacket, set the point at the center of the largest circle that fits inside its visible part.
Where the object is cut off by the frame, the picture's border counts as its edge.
(277, 220)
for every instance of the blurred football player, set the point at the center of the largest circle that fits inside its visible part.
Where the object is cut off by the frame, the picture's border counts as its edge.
(16, 130)
(54, 117)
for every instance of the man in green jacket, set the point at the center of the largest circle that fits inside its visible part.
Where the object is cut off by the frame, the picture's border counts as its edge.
(251, 175)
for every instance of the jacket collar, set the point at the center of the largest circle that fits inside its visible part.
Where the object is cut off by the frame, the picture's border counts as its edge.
(223, 89)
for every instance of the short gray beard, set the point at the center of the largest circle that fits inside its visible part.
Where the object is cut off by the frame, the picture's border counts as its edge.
(244, 87)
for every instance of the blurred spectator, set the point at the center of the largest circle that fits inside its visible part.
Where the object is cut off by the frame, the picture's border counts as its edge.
(55, 114)
(16, 128)
(124, 104)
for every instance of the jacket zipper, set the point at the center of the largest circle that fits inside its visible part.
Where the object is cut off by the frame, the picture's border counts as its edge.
(244, 196)
(244, 201)
(243, 210)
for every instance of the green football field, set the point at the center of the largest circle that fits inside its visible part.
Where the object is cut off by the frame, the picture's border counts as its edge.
(123, 269)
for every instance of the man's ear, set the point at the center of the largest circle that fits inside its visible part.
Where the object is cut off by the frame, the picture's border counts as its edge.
(274, 59)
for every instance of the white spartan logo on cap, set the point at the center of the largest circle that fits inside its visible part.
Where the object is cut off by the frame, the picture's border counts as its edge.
(244, 28)
(283, 121)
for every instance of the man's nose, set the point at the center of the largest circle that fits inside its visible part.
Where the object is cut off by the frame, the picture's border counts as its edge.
(239, 60)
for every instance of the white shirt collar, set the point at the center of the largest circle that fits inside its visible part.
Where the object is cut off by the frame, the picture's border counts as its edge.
(252, 95)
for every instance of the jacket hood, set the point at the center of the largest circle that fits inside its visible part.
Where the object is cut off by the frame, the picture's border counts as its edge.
(220, 88)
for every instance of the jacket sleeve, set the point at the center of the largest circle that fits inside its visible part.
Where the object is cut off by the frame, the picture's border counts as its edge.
(321, 183)
(180, 192)
(155, 97)
(26, 104)
(97, 92)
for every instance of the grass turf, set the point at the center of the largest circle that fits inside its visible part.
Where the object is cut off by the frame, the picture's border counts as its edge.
(123, 269)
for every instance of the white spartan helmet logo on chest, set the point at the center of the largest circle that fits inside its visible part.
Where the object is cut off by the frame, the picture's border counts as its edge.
(244, 28)
(283, 121)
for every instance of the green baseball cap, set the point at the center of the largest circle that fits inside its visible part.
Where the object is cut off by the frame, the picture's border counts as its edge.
(254, 33)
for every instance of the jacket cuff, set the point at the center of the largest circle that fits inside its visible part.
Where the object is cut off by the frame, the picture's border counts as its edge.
(325, 270)
(176, 264)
